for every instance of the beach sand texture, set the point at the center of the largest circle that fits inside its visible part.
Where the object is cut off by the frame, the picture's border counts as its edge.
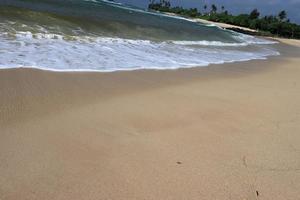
(223, 132)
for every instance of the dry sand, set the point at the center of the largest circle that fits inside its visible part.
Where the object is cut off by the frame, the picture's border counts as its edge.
(219, 24)
(223, 132)
(292, 42)
(223, 25)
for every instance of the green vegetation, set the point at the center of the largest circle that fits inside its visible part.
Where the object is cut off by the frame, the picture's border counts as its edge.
(270, 25)
(165, 6)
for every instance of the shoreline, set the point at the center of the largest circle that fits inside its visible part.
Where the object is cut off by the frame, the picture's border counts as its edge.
(236, 28)
(294, 43)
(134, 69)
(219, 132)
(225, 26)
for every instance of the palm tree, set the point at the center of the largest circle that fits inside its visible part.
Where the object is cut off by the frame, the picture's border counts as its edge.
(223, 8)
(254, 14)
(205, 8)
(282, 15)
(213, 8)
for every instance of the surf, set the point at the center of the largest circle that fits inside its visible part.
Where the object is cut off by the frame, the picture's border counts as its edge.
(74, 35)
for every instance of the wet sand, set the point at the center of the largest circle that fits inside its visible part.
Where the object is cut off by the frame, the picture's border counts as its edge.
(223, 132)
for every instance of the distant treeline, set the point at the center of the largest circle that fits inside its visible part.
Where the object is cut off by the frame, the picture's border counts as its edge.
(278, 25)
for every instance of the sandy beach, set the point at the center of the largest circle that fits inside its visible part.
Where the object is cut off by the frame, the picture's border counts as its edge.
(224, 25)
(219, 24)
(220, 132)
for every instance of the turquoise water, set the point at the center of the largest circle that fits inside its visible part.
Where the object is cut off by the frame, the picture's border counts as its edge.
(78, 35)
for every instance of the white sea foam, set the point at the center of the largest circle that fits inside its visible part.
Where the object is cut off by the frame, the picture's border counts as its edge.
(251, 39)
(54, 52)
(244, 40)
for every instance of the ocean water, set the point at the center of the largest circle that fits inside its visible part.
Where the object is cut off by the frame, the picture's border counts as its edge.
(96, 35)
